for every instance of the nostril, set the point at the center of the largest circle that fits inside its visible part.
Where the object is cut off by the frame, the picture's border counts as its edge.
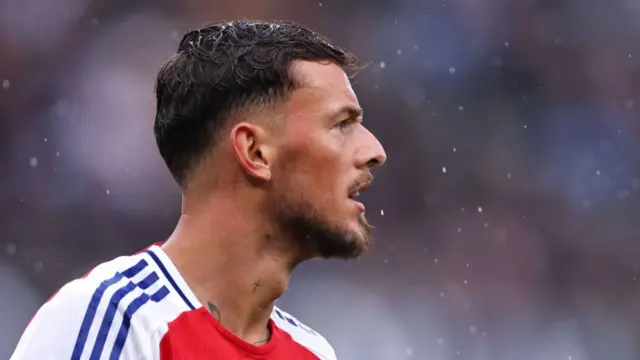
(373, 163)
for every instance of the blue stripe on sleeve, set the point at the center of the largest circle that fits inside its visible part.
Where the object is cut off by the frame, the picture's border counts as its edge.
(92, 308)
(135, 305)
(112, 308)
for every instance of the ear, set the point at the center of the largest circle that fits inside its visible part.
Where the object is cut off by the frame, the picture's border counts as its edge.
(251, 150)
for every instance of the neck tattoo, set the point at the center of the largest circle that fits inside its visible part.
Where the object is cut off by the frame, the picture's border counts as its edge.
(213, 309)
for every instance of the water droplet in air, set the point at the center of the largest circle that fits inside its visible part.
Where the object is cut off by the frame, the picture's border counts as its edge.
(108, 192)
(444, 170)
(383, 65)
(381, 212)
(480, 209)
(452, 70)
(5, 84)
(33, 162)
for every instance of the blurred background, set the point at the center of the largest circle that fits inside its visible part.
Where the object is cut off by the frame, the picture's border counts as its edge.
(506, 215)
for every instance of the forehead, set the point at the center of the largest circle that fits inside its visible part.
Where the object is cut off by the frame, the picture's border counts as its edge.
(325, 88)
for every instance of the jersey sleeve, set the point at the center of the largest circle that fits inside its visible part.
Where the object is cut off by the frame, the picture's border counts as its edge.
(80, 321)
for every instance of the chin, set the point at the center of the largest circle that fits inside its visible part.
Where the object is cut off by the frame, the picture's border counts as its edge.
(349, 243)
(347, 250)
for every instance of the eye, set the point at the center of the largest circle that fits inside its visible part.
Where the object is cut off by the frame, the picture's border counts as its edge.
(344, 124)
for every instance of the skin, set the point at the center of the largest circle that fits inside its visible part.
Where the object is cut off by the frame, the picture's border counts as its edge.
(275, 192)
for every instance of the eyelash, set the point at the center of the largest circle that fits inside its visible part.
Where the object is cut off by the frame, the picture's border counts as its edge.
(343, 124)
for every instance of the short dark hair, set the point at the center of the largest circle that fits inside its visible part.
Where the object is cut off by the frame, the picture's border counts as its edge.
(225, 68)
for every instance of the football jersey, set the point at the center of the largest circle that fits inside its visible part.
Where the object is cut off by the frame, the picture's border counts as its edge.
(139, 307)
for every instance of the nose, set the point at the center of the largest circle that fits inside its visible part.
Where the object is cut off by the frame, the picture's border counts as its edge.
(372, 153)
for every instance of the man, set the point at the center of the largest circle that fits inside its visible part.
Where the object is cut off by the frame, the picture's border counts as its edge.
(258, 124)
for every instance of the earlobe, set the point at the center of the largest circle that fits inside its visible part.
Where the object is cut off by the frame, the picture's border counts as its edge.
(250, 150)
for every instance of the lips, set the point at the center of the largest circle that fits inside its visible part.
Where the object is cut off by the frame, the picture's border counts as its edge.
(360, 206)
(355, 192)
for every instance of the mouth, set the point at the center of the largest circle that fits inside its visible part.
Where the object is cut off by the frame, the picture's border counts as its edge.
(355, 192)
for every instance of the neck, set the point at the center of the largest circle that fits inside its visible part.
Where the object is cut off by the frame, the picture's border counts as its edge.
(233, 263)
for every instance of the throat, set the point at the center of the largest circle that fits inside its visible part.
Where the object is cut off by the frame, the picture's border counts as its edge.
(243, 303)
(265, 340)
(257, 335)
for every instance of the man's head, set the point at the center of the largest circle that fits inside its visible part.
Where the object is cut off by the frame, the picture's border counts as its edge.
(273, 99)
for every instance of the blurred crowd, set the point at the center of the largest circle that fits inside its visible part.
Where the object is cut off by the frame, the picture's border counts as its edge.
(506, 214)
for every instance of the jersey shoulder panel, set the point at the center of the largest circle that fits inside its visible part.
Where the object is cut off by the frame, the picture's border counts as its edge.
(303, 334)
(94, 316)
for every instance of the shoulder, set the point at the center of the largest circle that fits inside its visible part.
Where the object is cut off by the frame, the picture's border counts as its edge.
(98, 314)
(303, 334)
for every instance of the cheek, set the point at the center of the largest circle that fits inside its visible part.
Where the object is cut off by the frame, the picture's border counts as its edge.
(325, 170)
(314, 165)
(317, 179)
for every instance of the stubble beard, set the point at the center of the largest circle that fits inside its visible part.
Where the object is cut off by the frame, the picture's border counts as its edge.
(315, 232)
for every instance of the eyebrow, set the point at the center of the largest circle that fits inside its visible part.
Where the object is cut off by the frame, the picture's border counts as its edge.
(351, 110)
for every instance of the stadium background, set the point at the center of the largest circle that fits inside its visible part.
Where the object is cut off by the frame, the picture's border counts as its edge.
(507, 215)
